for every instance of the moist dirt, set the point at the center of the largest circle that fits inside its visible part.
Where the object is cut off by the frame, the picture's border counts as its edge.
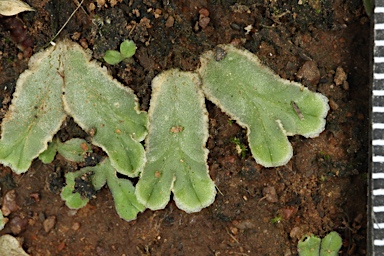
(258, 211)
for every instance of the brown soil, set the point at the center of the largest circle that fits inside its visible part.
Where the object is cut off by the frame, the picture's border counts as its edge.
(323, 187)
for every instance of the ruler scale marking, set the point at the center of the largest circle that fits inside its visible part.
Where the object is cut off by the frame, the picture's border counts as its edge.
(376, 185)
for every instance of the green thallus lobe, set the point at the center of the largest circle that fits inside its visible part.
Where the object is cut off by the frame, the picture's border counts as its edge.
(270, 108)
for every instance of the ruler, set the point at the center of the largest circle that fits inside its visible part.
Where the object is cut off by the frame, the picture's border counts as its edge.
(376, 186)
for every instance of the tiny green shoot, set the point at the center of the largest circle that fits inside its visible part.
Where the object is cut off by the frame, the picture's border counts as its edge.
(276, 219)
(326, 157)
(240, 148)
(127, 50)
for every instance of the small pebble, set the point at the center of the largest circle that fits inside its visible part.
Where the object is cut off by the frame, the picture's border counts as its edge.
(220, 53)
(340, 76)
(157, 13)
(35, 196)
(204, 12)
(75, 226)
(333, 104)
(234, 230)
(170, 21)
(243, 224)
(288, 212)
(91, 7)
(270, 194)
(296, 232)
(20, 56)
(83, 43)
(61, 246)
(18, 224)
(196, 26)
(49, 223)
(204, 18)
(288, 252)
(41, 216)
(113, 2)
(204, 21)
(136, 12)
(76, 36)
(100, 3)
(9, 203)
(235, 26)
(309, 72)
(345, 85)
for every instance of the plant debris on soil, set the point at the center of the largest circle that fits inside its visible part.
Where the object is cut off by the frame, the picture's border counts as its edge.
(258, 211)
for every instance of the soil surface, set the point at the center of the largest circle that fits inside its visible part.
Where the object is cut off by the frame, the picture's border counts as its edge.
(258, 211)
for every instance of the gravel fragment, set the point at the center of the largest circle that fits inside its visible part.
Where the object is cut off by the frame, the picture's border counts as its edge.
(345, 85)
(9, 203)
(235, 26)
(309, 73)
(333, 104)
(204, 12)
(340, 76)
(288, 212)
(75, 226)
(18, 224)
(296, 232)
(270, 194)
(49, 223)
(204, 21)
(243, 224)
(204, 18)
(170, 21)
(35, 196)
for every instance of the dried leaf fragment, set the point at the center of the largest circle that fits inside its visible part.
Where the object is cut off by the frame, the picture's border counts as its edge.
(13, 7)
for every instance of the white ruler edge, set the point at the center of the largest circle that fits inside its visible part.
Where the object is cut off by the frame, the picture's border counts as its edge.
(378, 142)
